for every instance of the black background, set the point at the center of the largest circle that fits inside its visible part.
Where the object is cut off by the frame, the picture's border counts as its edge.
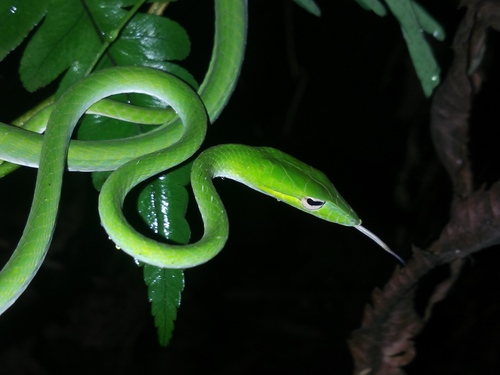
(288, 289)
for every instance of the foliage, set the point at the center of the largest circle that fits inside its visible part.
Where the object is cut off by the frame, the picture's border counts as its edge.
(70, 41)
(414, 21)
(50, 52)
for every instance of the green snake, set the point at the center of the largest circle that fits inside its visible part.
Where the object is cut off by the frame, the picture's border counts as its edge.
(135, 159)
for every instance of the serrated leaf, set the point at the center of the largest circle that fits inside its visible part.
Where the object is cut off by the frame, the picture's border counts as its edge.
(310, 6)
(106, 17)
(73, 34)
(65, 36)
(143, 42)
(147, 40)
(157, 38)
(164, 291)
(425, 65)
(162, 204)
(131, 49)
(17, 19)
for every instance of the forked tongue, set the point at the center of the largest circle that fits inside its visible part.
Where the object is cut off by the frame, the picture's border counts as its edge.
(379, 242)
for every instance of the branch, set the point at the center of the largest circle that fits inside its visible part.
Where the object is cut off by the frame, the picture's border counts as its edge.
(384, 343)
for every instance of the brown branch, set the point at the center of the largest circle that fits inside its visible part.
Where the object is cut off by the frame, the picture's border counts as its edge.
(384, 343)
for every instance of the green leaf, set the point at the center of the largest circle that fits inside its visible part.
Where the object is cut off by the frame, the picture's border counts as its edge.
(152, 41)
(16, 21)
(162, 204)
(73, 36)
(310, 6)
(374, 5)
(74, 31)
(428, 23)
(147, 40)
(413, 20)
(66, 35)
(143, 42)
(164, 291)
(156, 38)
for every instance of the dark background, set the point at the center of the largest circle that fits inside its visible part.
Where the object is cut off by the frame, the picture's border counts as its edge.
(288, 289)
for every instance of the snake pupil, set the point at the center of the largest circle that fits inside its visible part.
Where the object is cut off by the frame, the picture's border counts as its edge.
(312, 204)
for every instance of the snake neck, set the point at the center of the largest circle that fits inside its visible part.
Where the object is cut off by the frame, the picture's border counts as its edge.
(207, 166)
(273, 173)
(233, 161)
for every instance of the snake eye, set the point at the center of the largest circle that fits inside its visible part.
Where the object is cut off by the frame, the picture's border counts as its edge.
(312, 204)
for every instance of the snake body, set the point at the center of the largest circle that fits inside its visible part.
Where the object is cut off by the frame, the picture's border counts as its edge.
(265, 169)
(138, 158)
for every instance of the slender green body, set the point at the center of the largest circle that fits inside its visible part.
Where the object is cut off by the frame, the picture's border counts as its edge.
(23, 147)
(136, 159)
(50, 151)
(267, 170)
(32, 247)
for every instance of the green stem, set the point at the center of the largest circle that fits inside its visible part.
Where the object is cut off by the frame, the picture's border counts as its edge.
(113, 35)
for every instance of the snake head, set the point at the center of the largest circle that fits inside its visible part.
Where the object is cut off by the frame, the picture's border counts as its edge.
(302, 186)
(281, 176)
